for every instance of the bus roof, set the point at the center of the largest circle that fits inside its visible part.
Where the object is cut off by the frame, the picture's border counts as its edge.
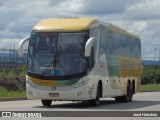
(74, 24)
(121, 31)
(64, 24)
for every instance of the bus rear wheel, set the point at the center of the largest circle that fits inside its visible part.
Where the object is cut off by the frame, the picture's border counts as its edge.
(95, 102)
(129, 96)
(46, 102)
(126, 98)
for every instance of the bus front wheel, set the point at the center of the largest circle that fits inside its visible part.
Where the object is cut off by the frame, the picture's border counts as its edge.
(95, 102)
(46, 102)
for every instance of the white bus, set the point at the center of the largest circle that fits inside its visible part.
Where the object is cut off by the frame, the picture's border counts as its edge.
(81, 59)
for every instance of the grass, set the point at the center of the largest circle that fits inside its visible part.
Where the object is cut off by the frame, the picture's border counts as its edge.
(7, 93)
(12, 74)
(16, 72)
(150, 87)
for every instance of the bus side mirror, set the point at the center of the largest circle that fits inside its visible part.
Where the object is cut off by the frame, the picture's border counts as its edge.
(88, 46)
(20, 47)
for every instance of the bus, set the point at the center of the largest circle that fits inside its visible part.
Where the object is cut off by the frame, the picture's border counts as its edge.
(81, 59)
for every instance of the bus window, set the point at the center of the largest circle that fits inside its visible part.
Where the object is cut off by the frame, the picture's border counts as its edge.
(94, 33)
(116, 44)
(109, 42)
(137, 48)
(71, 53)
(102, 42)
(126, 47)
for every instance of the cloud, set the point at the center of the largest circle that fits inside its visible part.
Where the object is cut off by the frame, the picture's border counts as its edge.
(106, 7)
(145, 10)
(111, 9)
(55, 2)
(8, 17)
(2, 27)
(9, 43)
(137, 16)
(22, 26)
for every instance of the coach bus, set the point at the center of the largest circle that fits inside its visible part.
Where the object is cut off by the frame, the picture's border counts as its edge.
(81, 59)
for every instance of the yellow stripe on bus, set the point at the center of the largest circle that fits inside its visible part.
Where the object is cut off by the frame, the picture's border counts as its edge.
(43, 82)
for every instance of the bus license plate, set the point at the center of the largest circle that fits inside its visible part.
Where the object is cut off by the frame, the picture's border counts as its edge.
(53, 94)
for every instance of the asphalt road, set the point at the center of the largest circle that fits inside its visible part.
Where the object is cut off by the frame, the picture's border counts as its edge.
(146, 101)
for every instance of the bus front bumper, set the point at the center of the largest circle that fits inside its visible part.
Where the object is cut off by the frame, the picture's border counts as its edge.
(76, 94)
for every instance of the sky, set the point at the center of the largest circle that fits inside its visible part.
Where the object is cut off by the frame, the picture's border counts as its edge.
(141, 17)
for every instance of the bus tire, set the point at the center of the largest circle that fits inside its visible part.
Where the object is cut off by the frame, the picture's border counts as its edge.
(119, 99)
(46, 102)
(96, 101)
(129, 95)
(126, 98)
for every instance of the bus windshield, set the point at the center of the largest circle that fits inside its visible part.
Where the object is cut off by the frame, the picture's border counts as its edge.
(52, 52)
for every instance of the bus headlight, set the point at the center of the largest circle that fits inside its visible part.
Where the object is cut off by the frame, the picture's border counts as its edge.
(28, 81)
(81, 83)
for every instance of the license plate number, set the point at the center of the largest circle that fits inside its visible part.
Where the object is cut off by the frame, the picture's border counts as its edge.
(53, 94)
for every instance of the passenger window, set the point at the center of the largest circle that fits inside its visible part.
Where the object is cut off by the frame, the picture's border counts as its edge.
(94, 33)
(102, 42)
